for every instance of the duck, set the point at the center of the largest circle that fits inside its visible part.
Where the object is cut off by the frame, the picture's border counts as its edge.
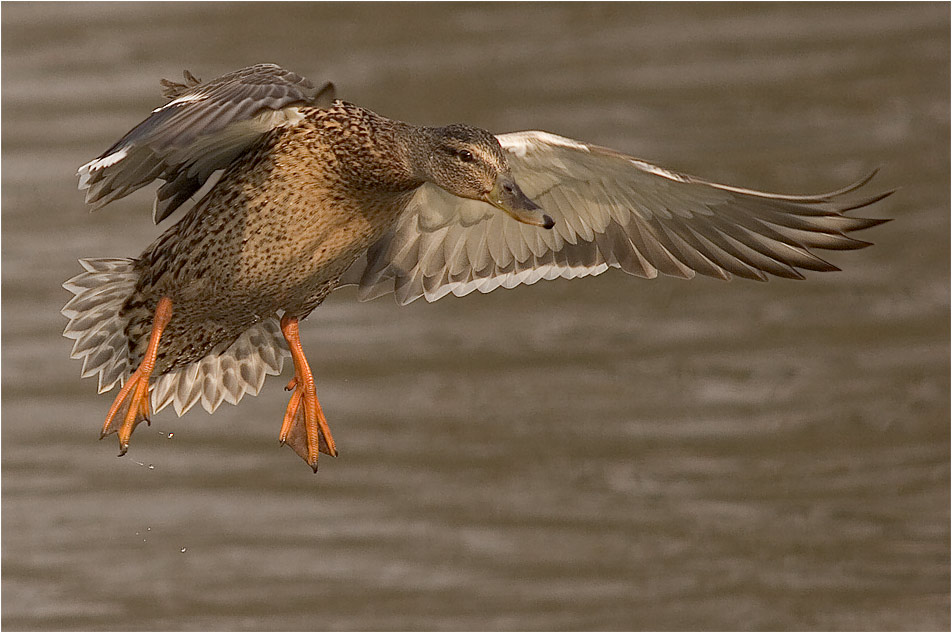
(300, 193)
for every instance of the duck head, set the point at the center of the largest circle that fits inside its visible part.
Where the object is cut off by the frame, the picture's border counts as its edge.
(468, 162)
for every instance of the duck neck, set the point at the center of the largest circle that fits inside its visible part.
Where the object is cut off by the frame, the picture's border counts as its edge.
(374, 152)
(410, 143)
(418, 142)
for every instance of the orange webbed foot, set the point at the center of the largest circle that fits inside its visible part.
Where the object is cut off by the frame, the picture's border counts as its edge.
(131, 405)
(129, 408)
(304, 428)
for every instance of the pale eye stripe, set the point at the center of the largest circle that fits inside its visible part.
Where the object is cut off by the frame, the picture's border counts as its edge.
(483, 155)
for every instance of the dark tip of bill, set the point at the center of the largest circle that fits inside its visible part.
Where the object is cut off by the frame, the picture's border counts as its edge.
(547, 222)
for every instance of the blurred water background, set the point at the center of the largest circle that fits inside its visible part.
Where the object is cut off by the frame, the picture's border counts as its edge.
(610, 453)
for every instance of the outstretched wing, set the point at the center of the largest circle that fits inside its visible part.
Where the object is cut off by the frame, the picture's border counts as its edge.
(202, 129)
(610, 211)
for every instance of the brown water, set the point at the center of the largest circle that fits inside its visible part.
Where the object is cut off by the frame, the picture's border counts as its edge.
(609, 453)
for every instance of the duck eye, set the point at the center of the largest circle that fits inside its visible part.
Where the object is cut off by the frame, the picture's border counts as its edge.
(465, 155)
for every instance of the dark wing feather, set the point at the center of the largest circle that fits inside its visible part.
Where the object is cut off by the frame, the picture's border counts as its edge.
(172, 89)
(610, 211)
(202, 129)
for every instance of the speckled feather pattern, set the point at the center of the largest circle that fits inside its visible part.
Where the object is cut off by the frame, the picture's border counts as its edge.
(274, 235)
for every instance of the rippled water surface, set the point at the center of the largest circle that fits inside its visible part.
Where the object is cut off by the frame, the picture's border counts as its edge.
(610, 453)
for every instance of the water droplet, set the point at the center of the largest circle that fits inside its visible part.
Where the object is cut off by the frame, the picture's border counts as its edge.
(183, 549)
(151, 467)
(171, 435)
(149, 529)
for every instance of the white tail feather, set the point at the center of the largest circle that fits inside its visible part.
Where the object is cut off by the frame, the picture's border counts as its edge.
(225, 374)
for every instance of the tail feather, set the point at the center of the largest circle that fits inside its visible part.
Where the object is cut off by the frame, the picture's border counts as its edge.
(226, 374)
(94, 322)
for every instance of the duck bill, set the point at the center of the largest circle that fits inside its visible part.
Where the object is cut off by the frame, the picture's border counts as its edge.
(507, 196)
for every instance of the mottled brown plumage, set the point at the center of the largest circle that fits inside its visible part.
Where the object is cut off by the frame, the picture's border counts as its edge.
(277, 231)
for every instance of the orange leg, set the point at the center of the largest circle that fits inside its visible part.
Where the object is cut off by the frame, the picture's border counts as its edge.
(131, 406)
(304, 428)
